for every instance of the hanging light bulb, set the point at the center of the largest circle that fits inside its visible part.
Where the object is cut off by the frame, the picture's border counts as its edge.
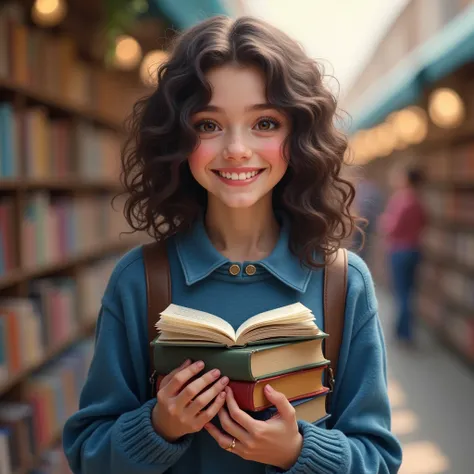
(410, 125)
(446, 108)
(385, 138)
(48, 13)
(149, 66)
(127, 52)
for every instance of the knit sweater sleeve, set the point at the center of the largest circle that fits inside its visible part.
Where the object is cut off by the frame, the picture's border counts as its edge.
(360, 440)
(112, 430)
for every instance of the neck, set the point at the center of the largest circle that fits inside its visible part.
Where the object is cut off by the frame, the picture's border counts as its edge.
(242, 234)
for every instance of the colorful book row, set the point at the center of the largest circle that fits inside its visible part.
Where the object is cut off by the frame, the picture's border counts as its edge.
(450, 206)
(448, 322)
(34, 145)
(55, 227)
(451, 165)
(36, 59)
(456, 247)
(29, 427)
(55, 312)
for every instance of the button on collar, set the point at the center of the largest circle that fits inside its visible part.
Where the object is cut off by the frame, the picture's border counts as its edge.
(234, 269)
(250, 270)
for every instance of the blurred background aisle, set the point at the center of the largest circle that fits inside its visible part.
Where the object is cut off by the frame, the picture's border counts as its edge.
(431, 395)
(70, 71)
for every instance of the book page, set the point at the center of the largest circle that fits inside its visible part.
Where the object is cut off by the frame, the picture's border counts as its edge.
(195, 332)
(279, 331)
(283, 314)
(180, 316)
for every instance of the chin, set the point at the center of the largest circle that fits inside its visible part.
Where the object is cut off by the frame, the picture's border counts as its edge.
(238, 202)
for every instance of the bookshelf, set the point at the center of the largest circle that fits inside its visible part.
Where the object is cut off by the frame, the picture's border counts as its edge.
(444, 296)
(30, 93)
(61, 129)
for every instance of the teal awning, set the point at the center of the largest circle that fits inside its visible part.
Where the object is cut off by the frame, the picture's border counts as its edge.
(448, 50)
(185, 13)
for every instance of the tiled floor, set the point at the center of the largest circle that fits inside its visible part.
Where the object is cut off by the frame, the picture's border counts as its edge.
(432, 396)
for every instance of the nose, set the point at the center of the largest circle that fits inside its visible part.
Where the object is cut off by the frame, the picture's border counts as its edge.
(237, 150)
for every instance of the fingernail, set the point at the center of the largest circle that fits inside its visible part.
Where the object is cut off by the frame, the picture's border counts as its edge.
(269, 388)
(216, 373)
(222, 394)
(224, 380)
(200, 364)
(186, 362)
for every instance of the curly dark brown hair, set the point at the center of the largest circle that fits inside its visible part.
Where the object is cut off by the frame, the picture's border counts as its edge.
(164, 198)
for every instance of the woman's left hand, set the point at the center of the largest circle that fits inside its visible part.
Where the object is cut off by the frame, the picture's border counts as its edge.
(276, 442)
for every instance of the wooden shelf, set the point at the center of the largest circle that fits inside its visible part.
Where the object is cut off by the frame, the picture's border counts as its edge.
(51, 354)
(452, 225)
(61, 104)
(450, 186)
(16, 276)
(462, 309)
(448, 262)
(60, 184)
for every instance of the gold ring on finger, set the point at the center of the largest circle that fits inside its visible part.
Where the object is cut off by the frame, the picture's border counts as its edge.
(232, 446)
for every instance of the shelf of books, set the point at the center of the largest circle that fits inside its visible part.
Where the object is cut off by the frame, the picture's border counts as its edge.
(60, 236)
(445, 296)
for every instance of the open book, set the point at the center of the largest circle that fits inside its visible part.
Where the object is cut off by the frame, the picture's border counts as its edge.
(181, 325)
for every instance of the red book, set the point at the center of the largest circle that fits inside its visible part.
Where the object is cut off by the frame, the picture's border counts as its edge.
(250, 396)
(295, 385)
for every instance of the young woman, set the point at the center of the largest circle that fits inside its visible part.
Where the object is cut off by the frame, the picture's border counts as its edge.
(234, 160)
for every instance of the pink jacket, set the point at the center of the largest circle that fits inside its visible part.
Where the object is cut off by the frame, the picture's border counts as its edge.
(403, 220)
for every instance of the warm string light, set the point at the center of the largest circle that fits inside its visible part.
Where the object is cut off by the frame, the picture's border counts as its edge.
(410, 125)
(48, 13)
(149, 66)
(127, 52)
(446, 108)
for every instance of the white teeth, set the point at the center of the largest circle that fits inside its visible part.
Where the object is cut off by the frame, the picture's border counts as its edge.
(238, 176)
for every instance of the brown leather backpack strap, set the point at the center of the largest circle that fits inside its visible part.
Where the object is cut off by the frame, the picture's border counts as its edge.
(335, 290)
(158, 290)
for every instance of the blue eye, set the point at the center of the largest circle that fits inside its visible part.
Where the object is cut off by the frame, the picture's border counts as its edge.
(266, 124)
(207, 126)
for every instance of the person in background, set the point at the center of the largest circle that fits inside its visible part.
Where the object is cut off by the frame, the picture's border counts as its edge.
(402, 223)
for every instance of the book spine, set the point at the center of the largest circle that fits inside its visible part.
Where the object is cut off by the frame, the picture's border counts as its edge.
(244, 395)
(233, 364)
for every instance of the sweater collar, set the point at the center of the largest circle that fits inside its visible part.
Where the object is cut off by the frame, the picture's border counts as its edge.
(199, 258)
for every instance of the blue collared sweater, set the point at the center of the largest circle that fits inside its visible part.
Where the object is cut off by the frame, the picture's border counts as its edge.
(112, 431)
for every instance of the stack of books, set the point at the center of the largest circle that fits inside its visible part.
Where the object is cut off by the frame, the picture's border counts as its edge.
(281, 347)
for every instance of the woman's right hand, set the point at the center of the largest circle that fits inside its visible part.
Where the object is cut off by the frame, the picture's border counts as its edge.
(179, 411)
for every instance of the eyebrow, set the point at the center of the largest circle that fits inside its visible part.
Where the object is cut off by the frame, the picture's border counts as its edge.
(214, 108)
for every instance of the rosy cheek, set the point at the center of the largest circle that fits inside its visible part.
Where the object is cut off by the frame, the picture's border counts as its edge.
(201, 156)
(271, 150)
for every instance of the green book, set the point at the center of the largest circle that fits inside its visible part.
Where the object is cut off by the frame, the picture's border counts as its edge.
(249, 363)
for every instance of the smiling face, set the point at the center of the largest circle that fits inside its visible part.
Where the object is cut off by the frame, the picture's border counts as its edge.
(239, 158)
